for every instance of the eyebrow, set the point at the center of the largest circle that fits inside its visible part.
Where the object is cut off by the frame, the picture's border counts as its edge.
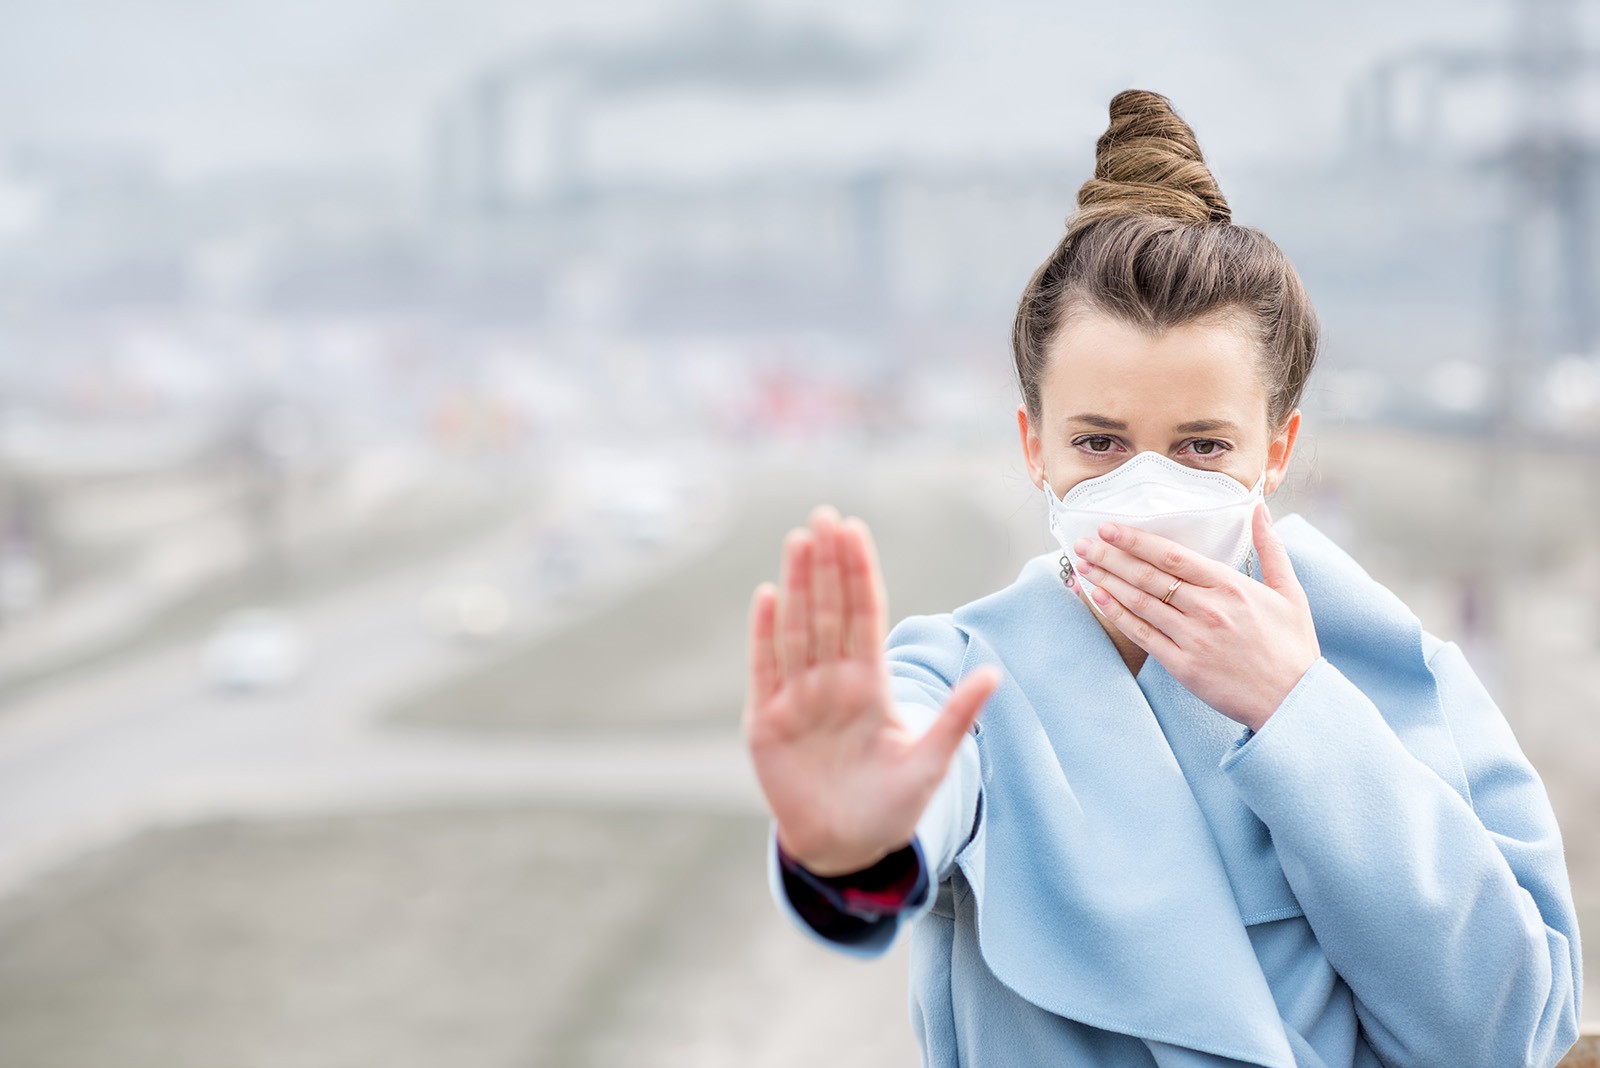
(1101, 421)
(1207, 426)
(1197, 426)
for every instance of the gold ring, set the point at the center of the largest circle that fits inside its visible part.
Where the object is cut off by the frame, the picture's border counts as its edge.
(1172, 589)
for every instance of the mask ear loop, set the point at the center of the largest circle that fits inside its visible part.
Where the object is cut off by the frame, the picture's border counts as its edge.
(1068, 575)
(1250, 557)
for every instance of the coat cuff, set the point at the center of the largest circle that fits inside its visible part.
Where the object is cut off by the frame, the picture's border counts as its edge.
(897, 879)
(822, 909)
(1325, 721)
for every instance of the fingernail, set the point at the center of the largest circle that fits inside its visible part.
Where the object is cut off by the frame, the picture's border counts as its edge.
(1110, 531)
(1085, 565)
(1101, 595)
(1080, 546)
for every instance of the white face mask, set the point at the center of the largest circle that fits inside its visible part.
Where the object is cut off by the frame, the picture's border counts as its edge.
(1206, 511)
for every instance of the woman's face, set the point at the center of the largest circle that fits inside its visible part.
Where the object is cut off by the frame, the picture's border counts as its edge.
(1194, 394)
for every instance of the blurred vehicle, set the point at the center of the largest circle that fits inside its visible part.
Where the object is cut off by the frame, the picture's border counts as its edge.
(254, 649)
(467, 610)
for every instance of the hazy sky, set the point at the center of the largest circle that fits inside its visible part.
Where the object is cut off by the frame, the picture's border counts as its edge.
(218, 85)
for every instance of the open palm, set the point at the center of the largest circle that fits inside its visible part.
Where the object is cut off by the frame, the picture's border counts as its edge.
(845, 775)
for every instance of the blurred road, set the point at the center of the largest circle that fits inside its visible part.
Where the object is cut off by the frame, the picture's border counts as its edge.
(148, 741)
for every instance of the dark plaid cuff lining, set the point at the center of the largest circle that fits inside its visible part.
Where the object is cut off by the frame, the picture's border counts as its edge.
(895, 881)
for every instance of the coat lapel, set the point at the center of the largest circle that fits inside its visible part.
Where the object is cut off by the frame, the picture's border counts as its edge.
(1200, 737)
(1111, 904)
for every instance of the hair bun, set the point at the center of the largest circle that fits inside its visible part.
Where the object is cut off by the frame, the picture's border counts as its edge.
(1149, 162)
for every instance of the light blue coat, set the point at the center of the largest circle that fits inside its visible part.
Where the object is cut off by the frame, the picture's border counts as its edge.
(1125, 877)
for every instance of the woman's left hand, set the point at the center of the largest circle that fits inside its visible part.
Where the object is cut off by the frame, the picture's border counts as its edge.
(1237, 644)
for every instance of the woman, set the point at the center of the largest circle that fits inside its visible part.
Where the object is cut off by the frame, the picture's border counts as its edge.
(1222, 806)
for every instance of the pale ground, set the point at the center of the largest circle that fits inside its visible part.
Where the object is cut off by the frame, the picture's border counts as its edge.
(479, 937)
(579, 922)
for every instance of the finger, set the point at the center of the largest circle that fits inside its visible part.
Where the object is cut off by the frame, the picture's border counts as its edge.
(865, 626)
(1166, 554)
(827, 592)
(1277, 571)
(1101, 559)
(764, 678)
(794, 644)
(1139, 631)
(1168, 618)
(939, 743)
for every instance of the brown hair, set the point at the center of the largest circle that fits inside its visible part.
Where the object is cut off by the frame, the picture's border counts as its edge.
(1153, 243)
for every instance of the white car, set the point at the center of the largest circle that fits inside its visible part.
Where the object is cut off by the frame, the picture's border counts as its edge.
(254, 649)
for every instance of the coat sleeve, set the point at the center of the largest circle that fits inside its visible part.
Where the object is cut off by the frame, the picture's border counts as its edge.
(925, 656)
(1451, 920)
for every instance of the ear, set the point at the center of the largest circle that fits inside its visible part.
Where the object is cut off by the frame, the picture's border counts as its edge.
(1032, 447)
(1280, 451)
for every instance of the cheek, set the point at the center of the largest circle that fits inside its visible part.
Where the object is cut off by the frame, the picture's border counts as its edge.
(1247, 463)
(1067, 466)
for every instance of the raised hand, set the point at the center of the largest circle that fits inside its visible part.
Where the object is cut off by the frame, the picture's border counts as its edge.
(845, 775)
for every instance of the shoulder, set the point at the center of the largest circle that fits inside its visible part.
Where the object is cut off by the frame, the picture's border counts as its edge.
(943, 636)
(1378, 644)
(1357, 617)
(1036, 592)
(928, 654)
(934, 642)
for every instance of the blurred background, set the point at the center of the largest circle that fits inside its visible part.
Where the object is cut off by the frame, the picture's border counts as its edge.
(399, 403)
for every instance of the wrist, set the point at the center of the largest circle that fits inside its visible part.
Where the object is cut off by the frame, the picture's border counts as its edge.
(1257, 718)
(830, 864)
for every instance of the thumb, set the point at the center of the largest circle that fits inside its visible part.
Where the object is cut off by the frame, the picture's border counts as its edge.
(967, 699)
(1276, 570)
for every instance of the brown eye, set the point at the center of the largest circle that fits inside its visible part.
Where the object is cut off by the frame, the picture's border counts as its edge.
(1099, 444)
(1207, 447)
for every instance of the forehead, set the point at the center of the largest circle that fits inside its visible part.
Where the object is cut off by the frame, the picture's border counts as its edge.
(1205, 368)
